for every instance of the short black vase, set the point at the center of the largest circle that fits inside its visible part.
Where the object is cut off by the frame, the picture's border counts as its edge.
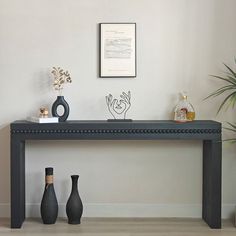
(60, 101)
(49, 205)
(74, 206)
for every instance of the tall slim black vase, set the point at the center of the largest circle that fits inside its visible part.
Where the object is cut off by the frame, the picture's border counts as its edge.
(60, 101)
(74, 206)
(49, 205)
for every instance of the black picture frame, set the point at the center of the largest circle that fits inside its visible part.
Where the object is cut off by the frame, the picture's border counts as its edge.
(117, 50)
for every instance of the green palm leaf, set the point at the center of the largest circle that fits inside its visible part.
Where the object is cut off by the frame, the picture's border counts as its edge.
(230, 100)
(232, 128)
(225, 101)
(231, 71)
(231, 140)
(232, 125)
(220, 91)
(230, 79)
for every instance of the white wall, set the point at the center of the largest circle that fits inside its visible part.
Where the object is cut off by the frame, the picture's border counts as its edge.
(179, 43)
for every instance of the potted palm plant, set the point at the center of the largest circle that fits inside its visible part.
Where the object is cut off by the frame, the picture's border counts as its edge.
(229, 90)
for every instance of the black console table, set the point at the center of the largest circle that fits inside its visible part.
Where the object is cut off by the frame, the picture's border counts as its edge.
(207, 131)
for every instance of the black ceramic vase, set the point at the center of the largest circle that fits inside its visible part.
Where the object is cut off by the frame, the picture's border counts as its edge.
(60, 101)
(49, 205)
(74, 206)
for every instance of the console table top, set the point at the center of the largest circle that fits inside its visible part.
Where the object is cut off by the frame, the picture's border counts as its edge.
(102, 129)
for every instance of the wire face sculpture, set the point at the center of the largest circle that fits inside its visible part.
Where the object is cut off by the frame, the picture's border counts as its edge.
(119, 107)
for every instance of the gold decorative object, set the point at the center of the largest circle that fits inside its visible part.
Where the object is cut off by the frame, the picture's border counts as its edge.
(60, 78)
(43, 112)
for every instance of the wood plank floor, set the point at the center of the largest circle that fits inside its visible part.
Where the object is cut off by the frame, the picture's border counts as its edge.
(119, 227)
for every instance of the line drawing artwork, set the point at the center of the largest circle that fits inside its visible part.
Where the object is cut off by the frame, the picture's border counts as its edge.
(119, 107)
(120, 48)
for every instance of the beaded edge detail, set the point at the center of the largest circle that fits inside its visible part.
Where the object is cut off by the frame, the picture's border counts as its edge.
(117, 131)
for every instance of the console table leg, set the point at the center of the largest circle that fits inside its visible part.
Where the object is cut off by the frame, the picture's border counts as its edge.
(211, 202)
(17, 183)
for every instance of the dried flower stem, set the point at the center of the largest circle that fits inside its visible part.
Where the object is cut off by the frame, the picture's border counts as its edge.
(60, 78)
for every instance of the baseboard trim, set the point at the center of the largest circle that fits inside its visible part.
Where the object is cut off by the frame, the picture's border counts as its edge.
(4, 209)
(129, 210)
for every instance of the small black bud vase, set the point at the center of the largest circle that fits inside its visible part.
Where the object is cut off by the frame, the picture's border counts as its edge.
(49, 205)
(61, 101)
(74, 206)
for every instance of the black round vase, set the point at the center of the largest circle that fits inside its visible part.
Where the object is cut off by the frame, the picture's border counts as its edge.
(49, 205)
(74, 206)
(60, 101)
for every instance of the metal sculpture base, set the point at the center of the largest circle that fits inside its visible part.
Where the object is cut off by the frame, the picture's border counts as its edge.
(119, 120)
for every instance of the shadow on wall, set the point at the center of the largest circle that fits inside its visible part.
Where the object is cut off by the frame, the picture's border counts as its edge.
(5, 170)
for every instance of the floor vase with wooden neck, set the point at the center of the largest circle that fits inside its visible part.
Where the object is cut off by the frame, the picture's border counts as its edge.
(49, 205)
(74, 206)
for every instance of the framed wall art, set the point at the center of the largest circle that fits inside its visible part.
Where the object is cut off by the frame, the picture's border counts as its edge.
(117, 50)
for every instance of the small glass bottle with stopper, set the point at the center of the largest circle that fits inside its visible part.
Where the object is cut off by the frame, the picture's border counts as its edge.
(184, 110)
